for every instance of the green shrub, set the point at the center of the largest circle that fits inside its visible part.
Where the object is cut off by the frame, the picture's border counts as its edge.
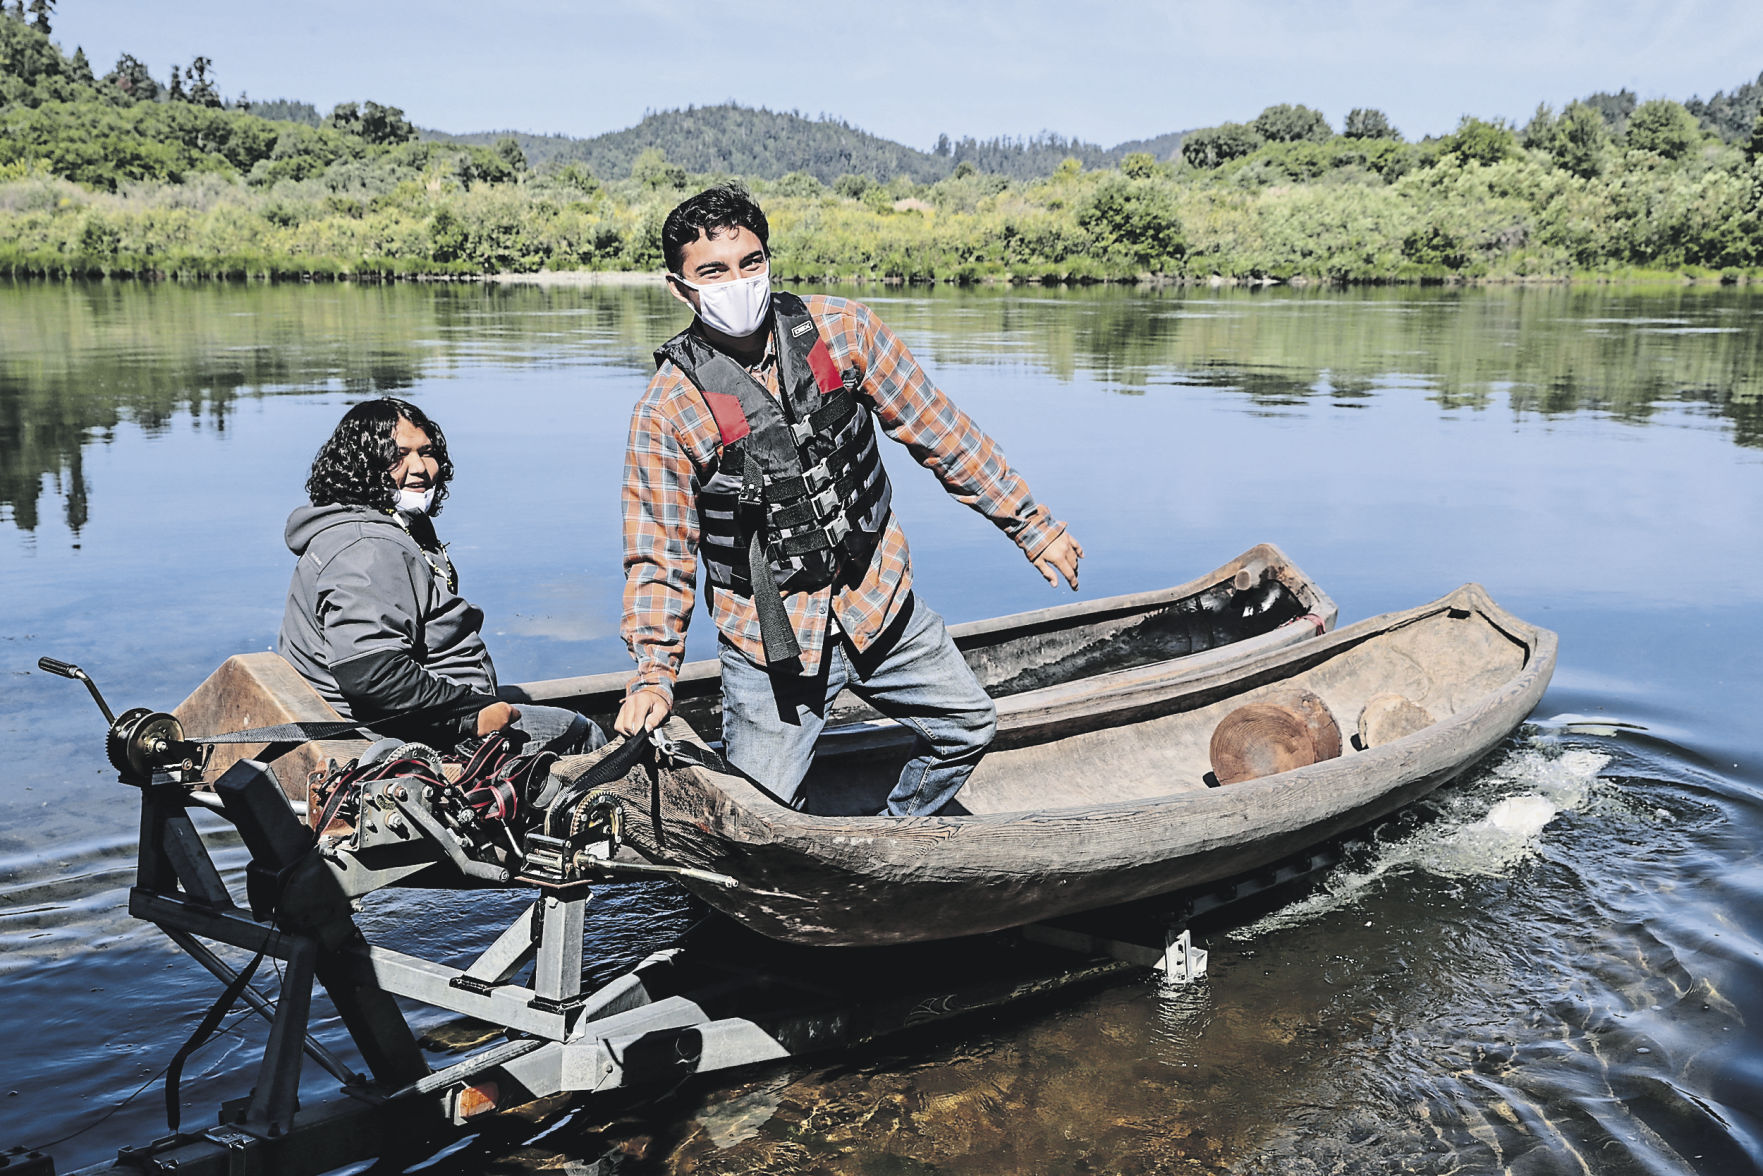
(1134, 221)
(1664, 128)
(1292, 124)
(1214, 146)
(1476, 141)
(1434, 246)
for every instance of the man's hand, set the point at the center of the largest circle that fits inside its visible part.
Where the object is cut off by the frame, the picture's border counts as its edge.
(495, 717)
(1060, 557)
(644, 710)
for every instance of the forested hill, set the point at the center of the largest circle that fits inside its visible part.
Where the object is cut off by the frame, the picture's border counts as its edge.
(738, 140)
(764, 144)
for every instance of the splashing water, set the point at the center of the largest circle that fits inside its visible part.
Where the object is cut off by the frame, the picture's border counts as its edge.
(1485, 828)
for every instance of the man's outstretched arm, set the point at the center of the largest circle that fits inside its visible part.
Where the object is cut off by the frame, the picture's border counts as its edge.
(949, 443)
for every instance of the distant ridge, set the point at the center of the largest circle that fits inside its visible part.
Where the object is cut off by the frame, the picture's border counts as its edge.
(766, 144)
(1163, 147)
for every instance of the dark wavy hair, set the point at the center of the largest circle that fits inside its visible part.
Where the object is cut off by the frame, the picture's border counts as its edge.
(722, 207)
(354, 467)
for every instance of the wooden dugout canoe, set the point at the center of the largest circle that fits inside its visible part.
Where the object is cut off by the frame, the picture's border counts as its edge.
(1258, 601)
(1094, 792)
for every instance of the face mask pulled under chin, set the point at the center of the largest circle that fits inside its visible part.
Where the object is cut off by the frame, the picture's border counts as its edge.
(737, 308)
(416, 501)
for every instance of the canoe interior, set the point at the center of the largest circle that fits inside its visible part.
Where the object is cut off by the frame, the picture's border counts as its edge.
(1038, 656)
(1442, 661)
(1254, 594)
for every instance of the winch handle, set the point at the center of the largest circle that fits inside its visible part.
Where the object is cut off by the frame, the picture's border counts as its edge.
(61, 669)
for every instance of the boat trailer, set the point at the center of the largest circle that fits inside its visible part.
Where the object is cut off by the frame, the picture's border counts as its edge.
(720, 997)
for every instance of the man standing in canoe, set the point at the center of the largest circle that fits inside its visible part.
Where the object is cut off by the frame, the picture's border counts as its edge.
(754, 452)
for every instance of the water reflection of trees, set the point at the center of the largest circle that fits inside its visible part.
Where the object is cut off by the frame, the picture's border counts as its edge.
(1542, 350)
(79, 360)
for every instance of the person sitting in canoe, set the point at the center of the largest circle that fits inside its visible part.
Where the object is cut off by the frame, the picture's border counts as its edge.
(753, 451)
(374, 618)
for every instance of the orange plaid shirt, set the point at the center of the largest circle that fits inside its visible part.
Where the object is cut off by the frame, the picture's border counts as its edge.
(674, 440)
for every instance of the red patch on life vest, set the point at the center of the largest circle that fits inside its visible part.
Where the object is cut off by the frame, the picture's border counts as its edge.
(826, 372)
(731, 422)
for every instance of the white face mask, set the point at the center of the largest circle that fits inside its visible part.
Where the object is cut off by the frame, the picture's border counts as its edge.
(737, 308)
(416, 501)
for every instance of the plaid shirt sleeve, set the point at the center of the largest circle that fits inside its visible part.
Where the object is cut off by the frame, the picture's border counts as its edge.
(660, 510)
(940, 437)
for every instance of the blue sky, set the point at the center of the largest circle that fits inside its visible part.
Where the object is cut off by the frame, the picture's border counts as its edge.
(911, 69)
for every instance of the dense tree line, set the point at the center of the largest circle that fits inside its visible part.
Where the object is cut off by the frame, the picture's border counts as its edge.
(127, 127)
(1731, 116)
(1487, 201)
(734, 140)
(122, 175)
(285, 110)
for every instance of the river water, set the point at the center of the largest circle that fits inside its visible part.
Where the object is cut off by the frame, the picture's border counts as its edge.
(1560, 971)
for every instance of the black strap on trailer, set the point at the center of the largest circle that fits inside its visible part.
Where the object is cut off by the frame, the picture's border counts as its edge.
(211, 1020)
(614, 765)
(621, 759)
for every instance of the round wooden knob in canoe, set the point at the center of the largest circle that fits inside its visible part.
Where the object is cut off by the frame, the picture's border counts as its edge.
(1291, 728)
(1388, 717)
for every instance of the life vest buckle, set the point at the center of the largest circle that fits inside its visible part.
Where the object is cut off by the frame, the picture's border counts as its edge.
(837, 528)
(817, 477)
(826, 506)
(801, 431)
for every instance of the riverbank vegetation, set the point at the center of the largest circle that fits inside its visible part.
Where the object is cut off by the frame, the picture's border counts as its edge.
(120, 175)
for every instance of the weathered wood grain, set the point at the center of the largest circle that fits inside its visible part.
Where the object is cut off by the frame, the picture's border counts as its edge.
(1286, 730)
(262, 690)
(1074, 645)
(1387, 717)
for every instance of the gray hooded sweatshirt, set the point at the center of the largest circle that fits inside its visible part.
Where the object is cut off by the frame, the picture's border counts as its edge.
(372, 623)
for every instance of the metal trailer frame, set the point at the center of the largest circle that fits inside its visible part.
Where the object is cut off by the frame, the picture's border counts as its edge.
(721, 997)
(700, 1006)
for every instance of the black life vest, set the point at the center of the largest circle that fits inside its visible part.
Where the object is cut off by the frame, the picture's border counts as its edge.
(799, 477)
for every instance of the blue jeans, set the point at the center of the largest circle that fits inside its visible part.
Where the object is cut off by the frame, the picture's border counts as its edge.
(917, 677)
(558, 729)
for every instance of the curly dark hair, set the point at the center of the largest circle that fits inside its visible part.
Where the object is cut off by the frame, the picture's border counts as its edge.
(354, 467)
(725, 206)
